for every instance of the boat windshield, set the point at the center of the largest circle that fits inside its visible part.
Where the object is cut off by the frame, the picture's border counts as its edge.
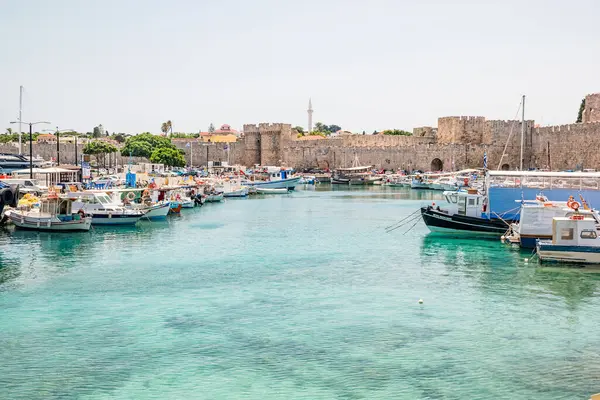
(451, 198)
(103, 199)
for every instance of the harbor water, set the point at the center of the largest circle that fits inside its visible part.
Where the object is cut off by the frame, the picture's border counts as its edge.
(301, 296)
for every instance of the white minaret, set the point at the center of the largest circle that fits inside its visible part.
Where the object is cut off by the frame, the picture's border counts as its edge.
(310, 111)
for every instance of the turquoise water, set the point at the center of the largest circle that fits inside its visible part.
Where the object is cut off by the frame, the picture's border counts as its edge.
(292, 297)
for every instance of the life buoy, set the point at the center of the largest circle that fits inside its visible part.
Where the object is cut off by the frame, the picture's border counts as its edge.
(130, 196)
(574, 205)
(146, 193)
(466, 181)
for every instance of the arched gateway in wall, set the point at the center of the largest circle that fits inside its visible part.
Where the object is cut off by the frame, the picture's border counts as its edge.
(505, 167)
(437, 165)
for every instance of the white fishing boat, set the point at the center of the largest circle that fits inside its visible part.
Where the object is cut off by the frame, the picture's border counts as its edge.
(154, 211)
(272, 190)
(214, 197)
(574, 240)
(419, 182)
(54, 214)
(103, 209)
(535, 219)
(447, 183)
(277, 177)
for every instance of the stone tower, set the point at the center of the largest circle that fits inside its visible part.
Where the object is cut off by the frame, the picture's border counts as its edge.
(310, 111)
(591, 112)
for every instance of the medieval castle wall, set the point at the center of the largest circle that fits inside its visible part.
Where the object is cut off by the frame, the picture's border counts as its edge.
(458, 142)
(591, 112)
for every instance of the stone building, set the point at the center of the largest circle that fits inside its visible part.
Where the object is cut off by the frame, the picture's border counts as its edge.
(591, 112)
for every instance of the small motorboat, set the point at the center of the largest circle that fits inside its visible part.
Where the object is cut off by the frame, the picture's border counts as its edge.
(574, 240)
(54, 214)
(214, 197)
(260, 190)
(103, 209)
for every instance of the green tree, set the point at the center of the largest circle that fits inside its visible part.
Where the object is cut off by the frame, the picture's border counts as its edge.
(397, 132)
(211, 128)
(9, 131)
(167, 127)
(99, 149)
(168, 156)
(320, 127)
(120, 137)
(580, 113)
(144, 144)
(299, 129)
(334, 128)
(96, 133)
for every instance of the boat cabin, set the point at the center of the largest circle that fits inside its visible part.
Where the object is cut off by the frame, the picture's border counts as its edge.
(467, 203)
(576, 230)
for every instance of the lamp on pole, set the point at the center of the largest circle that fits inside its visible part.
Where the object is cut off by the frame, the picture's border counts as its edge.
(58, 132)
(30, 142)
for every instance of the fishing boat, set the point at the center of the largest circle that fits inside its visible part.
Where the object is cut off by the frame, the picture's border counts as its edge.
(535, 219)
(271, 191)
(103, 209)
(463, 215)
(574, 240)
(214, 197)
(277, 177)
(54, 214)
(448, 183)
(357, 174)
(419, 182)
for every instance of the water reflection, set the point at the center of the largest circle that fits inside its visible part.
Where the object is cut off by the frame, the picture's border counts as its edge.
(494, 266)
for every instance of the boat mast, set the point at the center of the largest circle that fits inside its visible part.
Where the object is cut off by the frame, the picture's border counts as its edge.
(522, 129)
(20, 117)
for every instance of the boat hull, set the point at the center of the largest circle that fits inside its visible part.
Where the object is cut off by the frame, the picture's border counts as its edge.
(271, 191)
(548, 252)
(115, 219)
(46, 225)
(440, 222)
(243, 192)
(214, 198)
(290, 183)
(158, 211)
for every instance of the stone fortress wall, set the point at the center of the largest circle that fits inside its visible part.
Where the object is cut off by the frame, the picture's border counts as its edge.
(458, 142)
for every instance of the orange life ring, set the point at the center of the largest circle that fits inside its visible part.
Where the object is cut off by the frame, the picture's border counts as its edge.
(574, 205)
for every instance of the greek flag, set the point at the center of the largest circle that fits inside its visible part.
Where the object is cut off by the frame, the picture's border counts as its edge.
(485, 159)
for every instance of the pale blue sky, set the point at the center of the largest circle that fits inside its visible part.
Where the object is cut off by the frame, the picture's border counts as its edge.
(367, 65)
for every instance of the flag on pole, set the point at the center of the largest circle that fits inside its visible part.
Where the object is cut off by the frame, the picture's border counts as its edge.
(485, 159)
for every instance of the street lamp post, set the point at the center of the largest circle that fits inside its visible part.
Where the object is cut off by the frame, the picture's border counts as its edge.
(30, 142)
(58, 141)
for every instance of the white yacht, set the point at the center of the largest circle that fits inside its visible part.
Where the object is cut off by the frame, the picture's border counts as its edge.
(103, 209)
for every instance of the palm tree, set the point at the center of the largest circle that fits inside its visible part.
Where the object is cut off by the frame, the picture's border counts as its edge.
(164, 128)
(9, 131)
(170, 126)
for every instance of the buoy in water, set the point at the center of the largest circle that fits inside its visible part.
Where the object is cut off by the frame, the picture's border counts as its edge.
(420, 301)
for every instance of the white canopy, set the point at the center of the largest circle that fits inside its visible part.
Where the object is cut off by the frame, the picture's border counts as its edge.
(53, 170)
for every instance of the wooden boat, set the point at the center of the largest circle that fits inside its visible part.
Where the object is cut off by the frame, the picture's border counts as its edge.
(272, 191)
(54, 214)
(214, 197)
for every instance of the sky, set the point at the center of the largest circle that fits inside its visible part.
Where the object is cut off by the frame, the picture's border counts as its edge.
(131, 65)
